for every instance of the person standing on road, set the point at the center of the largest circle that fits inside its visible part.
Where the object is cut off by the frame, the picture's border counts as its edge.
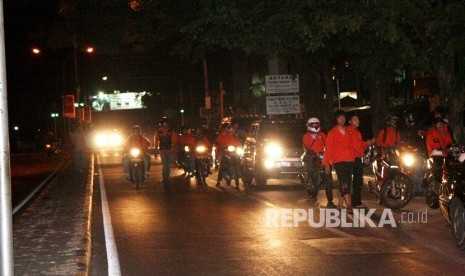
(339, 154)
(78, 139)
(358, 146)
(314, 141)
(164, 141)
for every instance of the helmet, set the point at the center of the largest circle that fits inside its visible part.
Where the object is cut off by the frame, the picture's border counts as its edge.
(409, 117)
(137, 127)
(313, 124)
(392, 120)
(164, 120)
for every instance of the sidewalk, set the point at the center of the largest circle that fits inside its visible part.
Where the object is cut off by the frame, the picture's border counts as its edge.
(52, 237)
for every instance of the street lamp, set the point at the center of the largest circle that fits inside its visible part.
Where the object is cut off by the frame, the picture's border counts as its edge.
(54, 117)
(182, 116)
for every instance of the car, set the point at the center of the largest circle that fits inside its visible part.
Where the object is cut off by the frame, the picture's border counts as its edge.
(108, 139)
(273, 150)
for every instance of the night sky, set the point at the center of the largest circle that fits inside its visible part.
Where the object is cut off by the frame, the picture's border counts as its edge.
(31, 96)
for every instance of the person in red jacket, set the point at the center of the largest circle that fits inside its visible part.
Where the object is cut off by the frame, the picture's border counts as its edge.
(358, 146)
(224, 139)
(389, 136)
(136, 140)
(314, 141)
(438, 137)
(186, 138)
(339, 154)
(165, 139)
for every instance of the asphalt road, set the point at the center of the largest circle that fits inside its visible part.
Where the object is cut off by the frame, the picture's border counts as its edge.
(206, 230)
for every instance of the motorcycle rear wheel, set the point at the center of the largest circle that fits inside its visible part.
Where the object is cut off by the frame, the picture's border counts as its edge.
(399, 195)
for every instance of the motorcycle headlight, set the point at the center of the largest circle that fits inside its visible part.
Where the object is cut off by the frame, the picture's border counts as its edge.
(408, 159)
(239, 151)
(135, 152)
(274, 150)
(231, 148)
(186, 148)
(201, 149)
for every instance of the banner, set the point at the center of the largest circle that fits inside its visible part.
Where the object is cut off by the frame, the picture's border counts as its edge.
(69, 111)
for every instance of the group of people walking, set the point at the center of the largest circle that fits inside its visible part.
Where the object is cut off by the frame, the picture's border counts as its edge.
(344, 149)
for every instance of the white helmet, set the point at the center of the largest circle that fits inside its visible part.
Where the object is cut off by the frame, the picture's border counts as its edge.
(313, 124)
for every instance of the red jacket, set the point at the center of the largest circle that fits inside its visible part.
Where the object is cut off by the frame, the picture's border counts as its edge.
(391, 138)
(137, 141)
(226, 139)
(358, 144)
(436, 139)
(338, 147)
(317, 145)
(186, 139)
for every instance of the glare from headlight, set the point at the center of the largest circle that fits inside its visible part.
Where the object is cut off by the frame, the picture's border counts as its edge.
(274, 150)
(268, 163)
(231, 148)
(116, 140)
(135, 152)
(100, 140)
(408, 160)
(240, 151)
(201, 149)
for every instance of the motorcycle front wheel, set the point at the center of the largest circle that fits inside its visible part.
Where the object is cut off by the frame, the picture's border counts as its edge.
(458, 223)
(431, 193)
(396, 192)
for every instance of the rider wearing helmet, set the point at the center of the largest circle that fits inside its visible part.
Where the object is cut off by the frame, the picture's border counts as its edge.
(314, 141)
(137, 140)
(389, 136)
(224, 139)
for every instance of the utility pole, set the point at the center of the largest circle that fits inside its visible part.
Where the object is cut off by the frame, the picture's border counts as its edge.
(6, 215)
(207, 93)
(221, 101)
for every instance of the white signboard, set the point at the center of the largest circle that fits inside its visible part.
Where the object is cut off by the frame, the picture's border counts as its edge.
(282, 105)
(279, 84)
(118, 101)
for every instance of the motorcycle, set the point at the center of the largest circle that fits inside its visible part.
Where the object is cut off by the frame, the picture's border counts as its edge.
(202, 163)
(51, 149)
(452, 192)
(313, 164)
(393, 175)
(229, 164)
(184, 160)
(136, 167)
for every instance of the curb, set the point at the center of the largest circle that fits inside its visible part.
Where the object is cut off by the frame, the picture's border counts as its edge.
(85, 248)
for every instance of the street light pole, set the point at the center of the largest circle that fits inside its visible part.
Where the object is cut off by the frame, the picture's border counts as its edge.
(76, 74)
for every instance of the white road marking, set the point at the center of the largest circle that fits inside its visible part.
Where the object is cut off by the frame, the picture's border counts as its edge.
(110, 243)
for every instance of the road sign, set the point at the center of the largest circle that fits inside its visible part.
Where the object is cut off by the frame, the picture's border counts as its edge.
(69, 110)
(282, 105)
(279, 84)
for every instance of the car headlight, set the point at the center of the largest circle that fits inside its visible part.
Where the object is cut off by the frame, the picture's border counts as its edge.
(100, 140)
(201, 149)
(116, 140)
(135, 152)
(231, 148)
(273, 150)
(408, 159)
